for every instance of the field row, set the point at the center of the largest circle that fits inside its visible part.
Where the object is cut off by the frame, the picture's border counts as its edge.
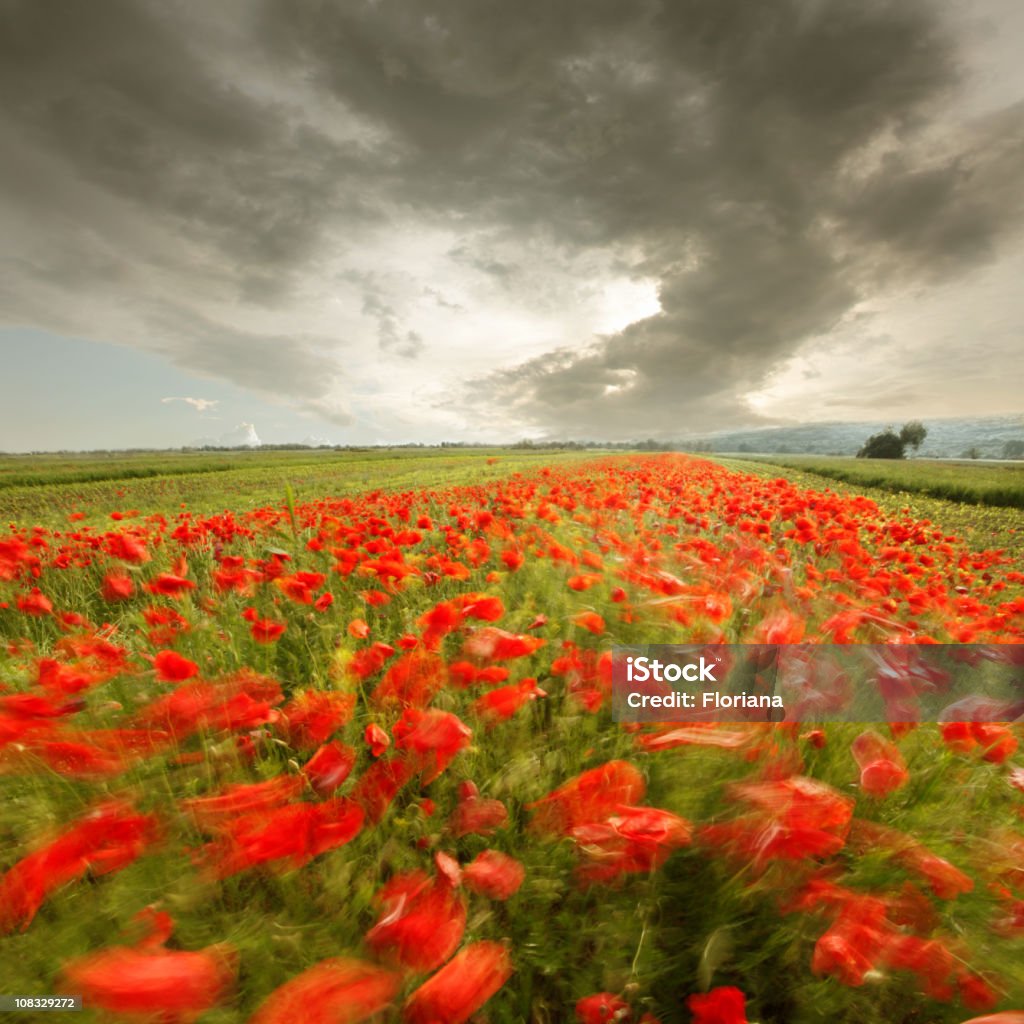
(994, 484)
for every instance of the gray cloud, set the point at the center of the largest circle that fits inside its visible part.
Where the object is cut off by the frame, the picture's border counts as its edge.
(769, 164)
(391, 335)
(271, 365)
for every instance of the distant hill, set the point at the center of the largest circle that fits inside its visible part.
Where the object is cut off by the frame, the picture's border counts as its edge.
(947, 438)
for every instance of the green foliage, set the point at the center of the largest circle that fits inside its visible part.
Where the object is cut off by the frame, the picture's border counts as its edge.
(890, 445)
(886, 445)
(913, 433)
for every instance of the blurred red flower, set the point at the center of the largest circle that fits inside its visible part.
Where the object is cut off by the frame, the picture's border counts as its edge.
(172, 986)
(494, 875)
(330, 766)
(335, 991)
(725, 1005)
(171, 667)
(461, 987)
(421, 921)
(592, 796)
(602, 1008)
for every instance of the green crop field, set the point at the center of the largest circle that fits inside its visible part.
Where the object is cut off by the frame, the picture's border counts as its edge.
(997, 484)
(48, 488)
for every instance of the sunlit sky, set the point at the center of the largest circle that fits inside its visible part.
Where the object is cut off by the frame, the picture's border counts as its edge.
(381, 222)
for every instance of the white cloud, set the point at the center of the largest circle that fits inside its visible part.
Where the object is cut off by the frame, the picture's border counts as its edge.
(199, 404)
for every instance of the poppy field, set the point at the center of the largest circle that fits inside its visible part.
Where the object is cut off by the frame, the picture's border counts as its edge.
(999, 484)
(351, 758)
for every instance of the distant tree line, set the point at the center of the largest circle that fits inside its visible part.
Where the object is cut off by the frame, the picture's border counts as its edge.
(886, 445)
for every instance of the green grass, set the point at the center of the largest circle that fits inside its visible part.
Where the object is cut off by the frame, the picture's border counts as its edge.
(1000, 485)
(47, 488)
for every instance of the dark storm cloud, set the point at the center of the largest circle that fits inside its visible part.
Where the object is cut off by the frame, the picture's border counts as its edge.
(128, 97)
(141, 173)
(768, 163)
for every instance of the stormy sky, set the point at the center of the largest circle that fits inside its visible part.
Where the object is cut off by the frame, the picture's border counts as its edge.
(377, 221)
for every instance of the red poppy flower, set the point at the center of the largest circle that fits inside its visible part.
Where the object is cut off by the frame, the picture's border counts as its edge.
(335, 991)
(421, 921)
(493, 644)
(266, 631)
(584, 581)
(35, 603)
(369, 661)
(170, 585)
(106, 839)
(330, 766)
(494, 875)
(448, 868)
(590, 621)
(73, 759)
(593, 796)
(882, 769)
(484, 607)
(512, 559)
(997, 742)
(310, 718)
(127, 547)
(377, 739)
(945, 880)
(781, 627)
(380, 783)
(117, 586)
(243, 701)
(476, 815)
(358, 629)
(412, 681)
(299, 587)
(847, 954)
(793, 818)
(602, 1008)
(171, 667)
(634, 839)
(461, 987)
(725, 1005)
(293, 834)
(438, 622)
(175, 986)
(505, 701)
(430, 739)
(32, 705)
(211, 812)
